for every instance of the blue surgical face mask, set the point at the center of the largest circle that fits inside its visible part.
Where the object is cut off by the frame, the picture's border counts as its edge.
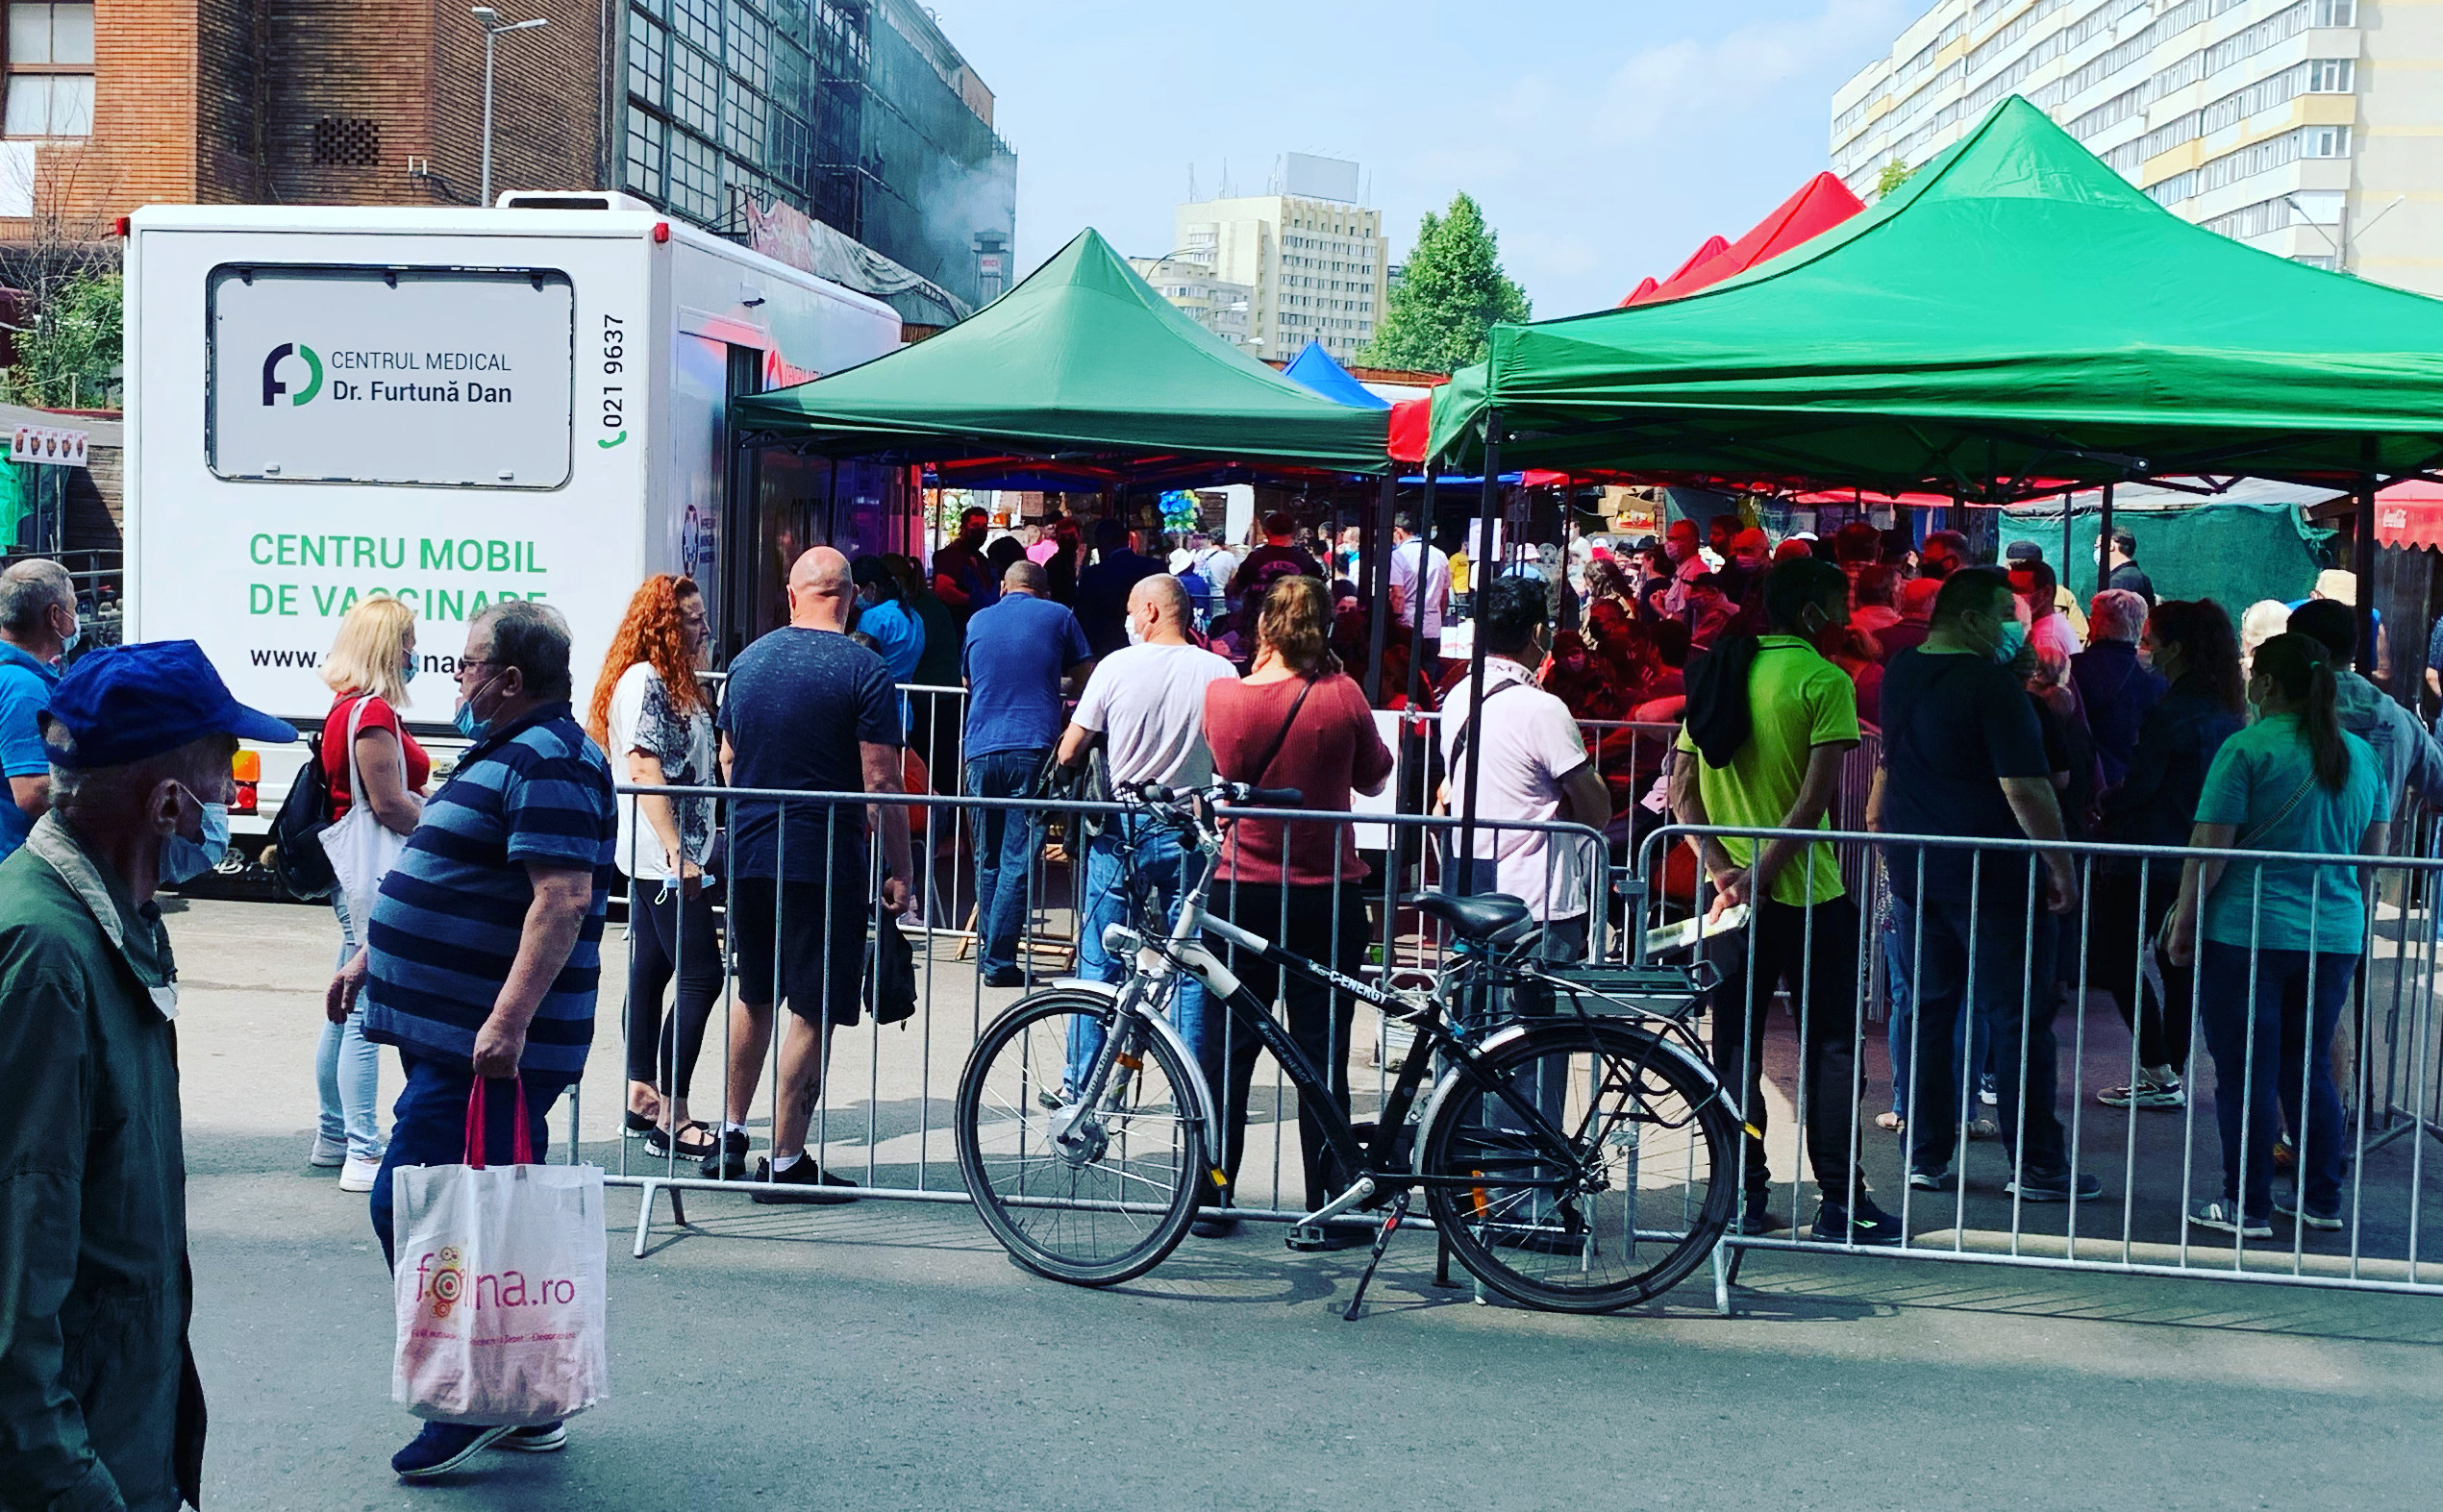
(473, 728)
(184, 860)
(407, 673)
(2014, 636)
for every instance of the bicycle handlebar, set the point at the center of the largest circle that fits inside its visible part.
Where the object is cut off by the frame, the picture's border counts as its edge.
(1223, 793)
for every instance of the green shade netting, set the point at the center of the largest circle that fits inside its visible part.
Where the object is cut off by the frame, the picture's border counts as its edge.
(2016, 315)
(1081, 360)
(2233, 554)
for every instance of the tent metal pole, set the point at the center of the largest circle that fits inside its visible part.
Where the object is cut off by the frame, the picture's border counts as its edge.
(1480, 584)
(1378, 572)
(2362, 567)
(1427, 528)
(2104, 533)
(2069, 501)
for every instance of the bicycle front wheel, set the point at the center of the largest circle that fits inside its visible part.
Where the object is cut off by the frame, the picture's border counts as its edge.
(1089, 1191)
(1642, 1193)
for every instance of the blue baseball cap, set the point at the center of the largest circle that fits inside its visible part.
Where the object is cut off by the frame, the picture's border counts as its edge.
(125, 704)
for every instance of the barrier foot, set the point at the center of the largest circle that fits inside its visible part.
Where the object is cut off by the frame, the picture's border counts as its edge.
(1442, 1260)
(644, 1214)
(1726, 1268)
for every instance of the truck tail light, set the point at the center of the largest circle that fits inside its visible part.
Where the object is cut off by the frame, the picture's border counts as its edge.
(246, 800)
(660, 231)
(247, 766)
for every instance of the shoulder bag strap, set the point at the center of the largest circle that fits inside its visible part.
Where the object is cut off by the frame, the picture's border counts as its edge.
(356, 780)
(1458, 745)
(1272, 752)
(2255, 833)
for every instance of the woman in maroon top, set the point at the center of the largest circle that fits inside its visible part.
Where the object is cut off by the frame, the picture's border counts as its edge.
(1297, 722)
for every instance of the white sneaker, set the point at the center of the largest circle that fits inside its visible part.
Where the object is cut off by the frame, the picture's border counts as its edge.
(359, 1176)
(327, 1152)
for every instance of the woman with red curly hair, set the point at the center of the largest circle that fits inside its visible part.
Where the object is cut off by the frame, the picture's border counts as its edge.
(655, 723)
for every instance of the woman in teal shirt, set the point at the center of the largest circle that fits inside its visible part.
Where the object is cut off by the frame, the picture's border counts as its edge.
(2281, 941)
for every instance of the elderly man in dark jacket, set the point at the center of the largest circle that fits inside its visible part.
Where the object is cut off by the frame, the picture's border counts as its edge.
(100, 1406)
(2115, 686)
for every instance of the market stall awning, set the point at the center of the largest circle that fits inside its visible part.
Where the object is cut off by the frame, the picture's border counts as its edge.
(1080, 365)
(2409, 514)
(1823, 203)
(2014, 320)
(1317, 368)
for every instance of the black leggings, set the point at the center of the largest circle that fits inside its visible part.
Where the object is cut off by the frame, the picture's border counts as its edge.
(2117, 934)
(666, 935)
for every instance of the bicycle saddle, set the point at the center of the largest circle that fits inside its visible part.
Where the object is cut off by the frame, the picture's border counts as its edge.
(1496, 917)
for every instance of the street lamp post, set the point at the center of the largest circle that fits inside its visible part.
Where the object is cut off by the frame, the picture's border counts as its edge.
(489, 20)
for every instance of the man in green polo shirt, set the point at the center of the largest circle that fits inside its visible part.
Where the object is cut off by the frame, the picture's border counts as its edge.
(1776, 764)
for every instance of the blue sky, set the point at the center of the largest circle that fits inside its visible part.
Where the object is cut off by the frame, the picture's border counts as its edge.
(1604, 139)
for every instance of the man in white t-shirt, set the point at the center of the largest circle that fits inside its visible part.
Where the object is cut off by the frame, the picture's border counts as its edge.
(1534, 768)
(1147, 702)
(1410, 555)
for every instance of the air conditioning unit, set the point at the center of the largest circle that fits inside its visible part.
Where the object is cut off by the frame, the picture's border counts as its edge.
(570, 199)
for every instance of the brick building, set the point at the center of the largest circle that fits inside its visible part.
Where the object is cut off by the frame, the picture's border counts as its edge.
(132, 102)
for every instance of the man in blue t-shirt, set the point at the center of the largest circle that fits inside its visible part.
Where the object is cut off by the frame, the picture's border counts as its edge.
(38, 624)
(1016, 655)
(1963, 756)
(808, 711)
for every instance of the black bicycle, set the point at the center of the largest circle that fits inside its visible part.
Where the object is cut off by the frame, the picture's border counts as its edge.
(1575, 1149)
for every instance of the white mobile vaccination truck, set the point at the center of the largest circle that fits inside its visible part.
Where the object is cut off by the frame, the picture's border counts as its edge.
(459, 406)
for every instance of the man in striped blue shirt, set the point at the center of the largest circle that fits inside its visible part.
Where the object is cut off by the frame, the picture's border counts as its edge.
(486, 948)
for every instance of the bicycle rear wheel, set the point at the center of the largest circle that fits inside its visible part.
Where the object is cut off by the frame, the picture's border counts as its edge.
(1096, 1194)
(1633, 1106)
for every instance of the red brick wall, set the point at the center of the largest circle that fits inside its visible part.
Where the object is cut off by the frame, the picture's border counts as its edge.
(144, 114)
(547, 96)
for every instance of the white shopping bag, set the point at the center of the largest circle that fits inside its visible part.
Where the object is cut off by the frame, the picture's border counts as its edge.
(499, 1286)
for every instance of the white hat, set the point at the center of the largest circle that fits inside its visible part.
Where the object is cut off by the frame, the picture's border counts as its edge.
(2339, 585)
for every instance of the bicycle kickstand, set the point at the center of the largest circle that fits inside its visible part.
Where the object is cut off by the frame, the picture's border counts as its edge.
(1381, 1242)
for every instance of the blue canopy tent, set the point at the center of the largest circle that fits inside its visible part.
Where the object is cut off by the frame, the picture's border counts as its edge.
(1315, 368)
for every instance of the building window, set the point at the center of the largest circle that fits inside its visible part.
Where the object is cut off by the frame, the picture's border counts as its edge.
(2330, 76)
(648, 155)
(695, 90)
(2325, 141)
(695, 182)
(648, 57)
(347, 141)
(50, 72)
(2337, 13)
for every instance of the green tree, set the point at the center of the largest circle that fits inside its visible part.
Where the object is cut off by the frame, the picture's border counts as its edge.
(69, 354)
(1894, 174)
(1452, 294)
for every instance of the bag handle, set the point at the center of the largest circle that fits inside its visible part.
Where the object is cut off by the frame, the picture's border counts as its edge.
(522, 1144)
(356, 778)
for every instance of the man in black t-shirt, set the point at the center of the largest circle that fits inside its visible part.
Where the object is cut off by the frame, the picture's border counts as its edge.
(1103, 589)
(1963, 756)
(1267, 564)
(2121, 568)
(962, 578)
(809, 711)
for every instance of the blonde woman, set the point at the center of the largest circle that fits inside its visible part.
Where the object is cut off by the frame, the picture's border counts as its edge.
(368, 670)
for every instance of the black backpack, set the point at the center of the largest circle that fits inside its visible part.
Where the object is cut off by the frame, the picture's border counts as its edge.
(297, 858)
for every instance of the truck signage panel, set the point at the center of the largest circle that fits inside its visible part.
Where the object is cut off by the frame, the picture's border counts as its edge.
(450, 377)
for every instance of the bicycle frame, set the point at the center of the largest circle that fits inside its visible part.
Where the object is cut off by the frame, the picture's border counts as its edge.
(1163, 960)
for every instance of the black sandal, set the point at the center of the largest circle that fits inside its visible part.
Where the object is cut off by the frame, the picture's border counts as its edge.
(657, 1141)
(639, 1123)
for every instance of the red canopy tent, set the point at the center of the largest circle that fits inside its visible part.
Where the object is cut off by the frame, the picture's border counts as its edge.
(2409, 514)
(1825, 202)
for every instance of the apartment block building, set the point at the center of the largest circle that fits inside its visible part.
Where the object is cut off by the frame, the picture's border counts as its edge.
(2307, 128)
(133, 102)
(1313, 258)
(1219, 305)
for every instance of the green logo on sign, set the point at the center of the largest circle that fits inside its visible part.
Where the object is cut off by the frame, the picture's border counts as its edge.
(273, 387)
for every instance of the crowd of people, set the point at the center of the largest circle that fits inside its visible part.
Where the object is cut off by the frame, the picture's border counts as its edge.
(2008, 712)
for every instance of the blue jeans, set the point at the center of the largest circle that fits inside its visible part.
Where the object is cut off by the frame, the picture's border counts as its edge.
(347, 1068)
(1163, 871)
(2259, 1062)
(1971, 1040)
(1005, 842)
(428, 1125)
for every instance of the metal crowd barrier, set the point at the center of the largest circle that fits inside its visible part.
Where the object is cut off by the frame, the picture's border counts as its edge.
(2320, 1073)
(881, 1111)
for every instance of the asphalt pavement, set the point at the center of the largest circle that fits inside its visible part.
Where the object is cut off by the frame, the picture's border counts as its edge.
(889, 1355)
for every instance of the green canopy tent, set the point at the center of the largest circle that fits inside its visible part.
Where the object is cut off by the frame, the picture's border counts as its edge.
(2014, 318)
(1081, 364)
(1081, 378)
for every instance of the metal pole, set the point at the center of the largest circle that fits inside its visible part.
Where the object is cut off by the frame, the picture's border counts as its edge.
(486, 196)
(2103, 534)
(1378, 563)
(2362, 567)
(2068, 501)
(1427, 526)
(1480, 583)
